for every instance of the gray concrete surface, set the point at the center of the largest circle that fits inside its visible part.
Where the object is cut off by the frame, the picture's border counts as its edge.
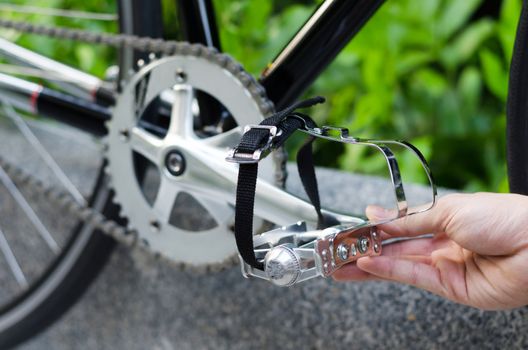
(140, 303)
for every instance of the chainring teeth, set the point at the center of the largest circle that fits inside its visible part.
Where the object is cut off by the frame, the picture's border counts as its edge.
(243, 81)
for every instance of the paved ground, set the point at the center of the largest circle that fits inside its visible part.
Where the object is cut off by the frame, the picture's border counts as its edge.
(138, 303)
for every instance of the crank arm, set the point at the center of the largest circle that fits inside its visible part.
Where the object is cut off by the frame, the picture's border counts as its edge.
(208, 174)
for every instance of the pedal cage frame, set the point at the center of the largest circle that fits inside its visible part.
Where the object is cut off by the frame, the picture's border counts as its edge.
(293, 254)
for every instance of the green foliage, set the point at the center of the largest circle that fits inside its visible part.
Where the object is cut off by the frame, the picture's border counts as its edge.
(430, 72)
(91, 58)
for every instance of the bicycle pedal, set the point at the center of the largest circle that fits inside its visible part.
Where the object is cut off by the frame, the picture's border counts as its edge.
(294, 254)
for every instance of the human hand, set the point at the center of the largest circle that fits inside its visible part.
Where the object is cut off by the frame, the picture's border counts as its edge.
(478, 255)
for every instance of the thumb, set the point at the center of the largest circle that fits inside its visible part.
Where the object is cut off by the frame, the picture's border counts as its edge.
(377, 213)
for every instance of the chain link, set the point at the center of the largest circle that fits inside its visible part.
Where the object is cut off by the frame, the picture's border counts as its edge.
(145, 44)
(65, 201)
(115, 40)
(151, 45)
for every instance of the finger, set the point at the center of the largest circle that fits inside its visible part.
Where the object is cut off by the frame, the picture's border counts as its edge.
(431, 221)
(417, 246)
(403, 271)
(384, 235)
(417, 258)
(351, 272)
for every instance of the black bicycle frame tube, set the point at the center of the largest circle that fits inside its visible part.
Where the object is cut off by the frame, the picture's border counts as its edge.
(33, 98)
(314, 47)
(134, 22)
(198, 25)
(84, 115)
(198, 22)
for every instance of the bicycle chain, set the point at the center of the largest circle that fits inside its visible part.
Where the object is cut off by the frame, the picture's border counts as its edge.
(65, 201)
(168, 47)
(151, 45)
(145, 44)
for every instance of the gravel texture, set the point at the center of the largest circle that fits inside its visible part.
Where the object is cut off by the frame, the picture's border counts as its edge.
(140, 303)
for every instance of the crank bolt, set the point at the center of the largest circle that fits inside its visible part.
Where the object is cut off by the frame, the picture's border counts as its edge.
(363, 245)
(181, 77)
(155, 226)
(342, 251)
(124, 135)
(353, 249)
(175, 163)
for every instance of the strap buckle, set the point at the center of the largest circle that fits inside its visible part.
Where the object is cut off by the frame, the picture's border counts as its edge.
(236, 156)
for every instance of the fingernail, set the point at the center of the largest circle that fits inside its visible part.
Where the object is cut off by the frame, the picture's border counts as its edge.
(374, 211)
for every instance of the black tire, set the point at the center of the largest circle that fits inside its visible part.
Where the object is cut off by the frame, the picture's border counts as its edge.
(517, 110)
(87, 251)
(64, 282)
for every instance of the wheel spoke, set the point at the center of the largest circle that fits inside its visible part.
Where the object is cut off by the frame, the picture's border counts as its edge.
(37, 73)
(12, 262)
(19, 198)
(146, 144)
(165, 198)
(181, 122)
(97, 16)
(41, 150)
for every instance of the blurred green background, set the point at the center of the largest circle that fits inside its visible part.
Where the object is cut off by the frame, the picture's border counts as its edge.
(432, 72)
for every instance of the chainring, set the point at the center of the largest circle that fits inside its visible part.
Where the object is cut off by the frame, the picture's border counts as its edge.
(155, 112)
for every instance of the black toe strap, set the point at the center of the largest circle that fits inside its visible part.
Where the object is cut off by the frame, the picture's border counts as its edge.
(259, 139)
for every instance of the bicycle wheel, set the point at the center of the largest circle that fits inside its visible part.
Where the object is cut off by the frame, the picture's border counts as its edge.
(42, 299)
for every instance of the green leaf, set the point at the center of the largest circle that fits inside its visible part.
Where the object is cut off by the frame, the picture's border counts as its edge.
(244, 30)
(509, 18)
(426, 9)
(469, 90)
(411, 60)
(495, 74)
(431, 81)
(86, 56)
(467, 43)
(510, 12)
(454, 15)
(504, 185)
(410, 165)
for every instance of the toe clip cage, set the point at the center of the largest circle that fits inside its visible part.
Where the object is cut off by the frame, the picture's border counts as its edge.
(289, 255)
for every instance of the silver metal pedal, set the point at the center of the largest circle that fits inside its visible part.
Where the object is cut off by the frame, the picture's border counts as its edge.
(294, 254)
